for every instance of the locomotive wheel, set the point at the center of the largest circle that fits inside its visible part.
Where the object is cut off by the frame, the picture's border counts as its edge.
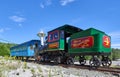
(70, 61)
(106, 62)
(94, 62)
(42, 58)
(58, 60)
(82, 60)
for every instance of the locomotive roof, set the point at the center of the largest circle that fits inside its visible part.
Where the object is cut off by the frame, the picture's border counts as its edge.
(69, 29)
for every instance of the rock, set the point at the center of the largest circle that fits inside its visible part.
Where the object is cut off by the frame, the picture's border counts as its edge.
(17, 73)
(38, 70)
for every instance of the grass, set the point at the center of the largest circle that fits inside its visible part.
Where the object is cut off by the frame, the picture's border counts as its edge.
(49, 74)
(61, 75)
(25, 65)
(32, 70)
(2, 71)
(115, 66)
(40, 70)
(1, 74)
(7, 64)
(13, 67)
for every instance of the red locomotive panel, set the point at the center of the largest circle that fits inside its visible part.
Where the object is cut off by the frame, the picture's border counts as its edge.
(106, 41)
(54, 45)
(84, 42)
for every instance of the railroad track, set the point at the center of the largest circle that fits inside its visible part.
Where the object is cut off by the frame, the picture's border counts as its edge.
(112, 70)
(103, 69)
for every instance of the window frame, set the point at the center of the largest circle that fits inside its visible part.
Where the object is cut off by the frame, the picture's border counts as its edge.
(53, 36)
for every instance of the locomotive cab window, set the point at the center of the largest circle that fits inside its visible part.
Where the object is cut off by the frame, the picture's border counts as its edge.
(56, 35)
(67, 39)
(62, 34)
(53, 36)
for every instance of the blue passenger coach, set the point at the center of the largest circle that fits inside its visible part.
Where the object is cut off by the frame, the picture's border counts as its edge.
(25, 49)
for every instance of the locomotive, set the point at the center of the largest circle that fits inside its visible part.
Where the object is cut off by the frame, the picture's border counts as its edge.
(66, 42)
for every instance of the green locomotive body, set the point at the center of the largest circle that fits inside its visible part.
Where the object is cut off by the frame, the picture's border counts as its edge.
(89, 42)
(55, 40)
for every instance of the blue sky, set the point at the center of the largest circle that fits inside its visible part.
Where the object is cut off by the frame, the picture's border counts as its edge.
(21, 20)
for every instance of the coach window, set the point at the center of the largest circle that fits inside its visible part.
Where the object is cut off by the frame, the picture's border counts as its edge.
(36, 45)
(31, 47)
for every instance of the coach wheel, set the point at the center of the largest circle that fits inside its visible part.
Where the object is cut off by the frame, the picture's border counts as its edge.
(26, 58)
(22, 58)
(82, 60)
(70, 61)
(58, 60)
(95, 62)
(106, 62)
(16, 57)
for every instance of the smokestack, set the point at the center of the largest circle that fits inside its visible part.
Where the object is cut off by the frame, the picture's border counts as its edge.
(41, 34)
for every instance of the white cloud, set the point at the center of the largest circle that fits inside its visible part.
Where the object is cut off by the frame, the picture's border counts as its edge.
(115, 35)
(42, 5)
(65, 2)
(115, 46)
(4, 29)
(115, 39)
(1, 30)
(7, 28)
(77, 20)
(20, 25)
(45, 3)
(17, 18)
(18, 13)
(48, 2)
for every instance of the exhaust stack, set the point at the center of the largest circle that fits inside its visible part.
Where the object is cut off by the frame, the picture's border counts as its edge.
(41, 34)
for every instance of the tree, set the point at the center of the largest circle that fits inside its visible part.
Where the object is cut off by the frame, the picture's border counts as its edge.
(115, 54)
(5, 48)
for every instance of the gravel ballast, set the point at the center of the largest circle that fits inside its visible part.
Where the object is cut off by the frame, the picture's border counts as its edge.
(17, 68)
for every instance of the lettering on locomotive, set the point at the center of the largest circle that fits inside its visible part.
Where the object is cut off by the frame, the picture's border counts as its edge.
(106, 41)
(84, 42)
(54, 45)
